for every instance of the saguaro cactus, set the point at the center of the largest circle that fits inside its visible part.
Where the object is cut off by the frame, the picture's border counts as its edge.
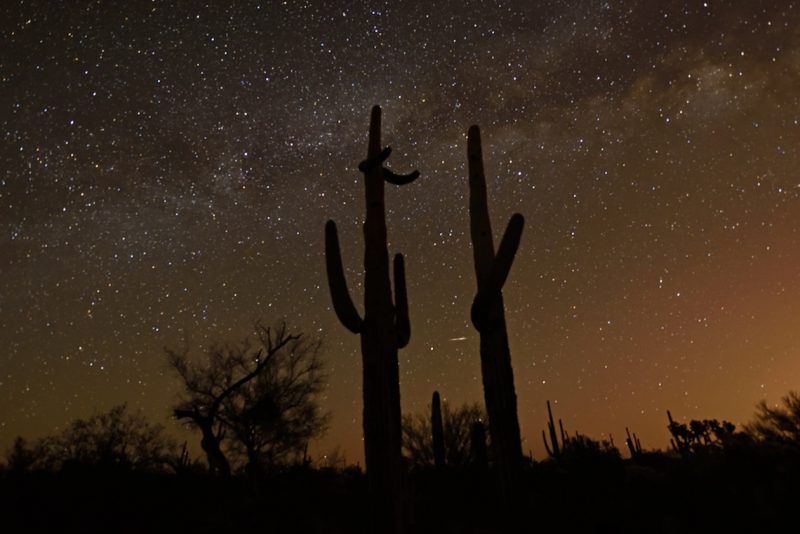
(384, 329)
(488, 317)
(437, 429)
(555, 450)
(633, 443)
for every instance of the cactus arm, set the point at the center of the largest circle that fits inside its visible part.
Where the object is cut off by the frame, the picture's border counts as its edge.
(631, 450)
(506, 252)
(342, 303)
(498, 274)
(376, 156)
(552, 427)
(480, 225)
(546, 446)
(402, 323)
(389, 176)
(399, 179)
(375, 161)
(554, 438)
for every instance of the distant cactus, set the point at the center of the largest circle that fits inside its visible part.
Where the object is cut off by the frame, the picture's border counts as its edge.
(384, 329)
(554, 450)
(633, 443)
(437, 431)
(679, 439)
(575, 446)
(488, 317)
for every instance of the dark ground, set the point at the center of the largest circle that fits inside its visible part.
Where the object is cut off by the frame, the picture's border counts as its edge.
(748, 490)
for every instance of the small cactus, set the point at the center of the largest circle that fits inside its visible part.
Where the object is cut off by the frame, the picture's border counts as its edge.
(681, 440)
(554, 450)
(633, 443)
(438, 432)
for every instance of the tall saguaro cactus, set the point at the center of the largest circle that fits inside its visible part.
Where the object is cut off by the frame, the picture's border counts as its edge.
(384, 329)
(488, 317)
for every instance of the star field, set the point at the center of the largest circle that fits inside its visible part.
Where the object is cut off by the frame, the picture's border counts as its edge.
(168, 168)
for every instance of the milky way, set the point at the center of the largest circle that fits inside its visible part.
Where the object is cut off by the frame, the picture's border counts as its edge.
(168, 168)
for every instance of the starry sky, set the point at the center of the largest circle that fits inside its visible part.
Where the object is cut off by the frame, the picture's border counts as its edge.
(167, 169)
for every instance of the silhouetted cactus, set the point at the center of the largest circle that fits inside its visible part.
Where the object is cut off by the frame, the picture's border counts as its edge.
(488, 317)
(437, 429)
(384, 329)
(553, 450)
(633, 443)
(682, 438)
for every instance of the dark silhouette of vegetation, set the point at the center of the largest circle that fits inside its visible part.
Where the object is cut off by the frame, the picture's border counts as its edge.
(419, 444)
(258, 403)
(777, 424)
(488, 317)
(116, 472)
(116, 439)
(479, 452)
(633, 443)
(572, 447)
(21, 457)
(384, 328)
(700, 436)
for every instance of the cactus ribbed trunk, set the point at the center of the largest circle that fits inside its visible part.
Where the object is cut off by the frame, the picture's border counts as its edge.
(384, 329)
(488, 317)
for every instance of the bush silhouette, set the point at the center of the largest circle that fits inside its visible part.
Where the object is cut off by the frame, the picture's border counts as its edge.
(777, 424)
(418, 444)
(112, 440)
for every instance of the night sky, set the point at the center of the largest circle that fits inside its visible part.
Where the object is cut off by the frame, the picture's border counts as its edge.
(168, 168)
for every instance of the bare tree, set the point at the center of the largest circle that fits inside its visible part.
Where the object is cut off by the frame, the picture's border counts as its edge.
(261, 402)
